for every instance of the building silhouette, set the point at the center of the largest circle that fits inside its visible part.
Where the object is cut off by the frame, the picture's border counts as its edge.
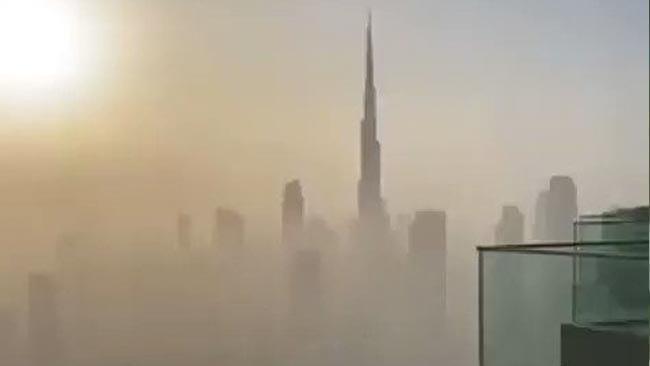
(228, 229)
(305, 292)
(43, 321)
(401, 233)
(184, 227)
(539, 226)
(510, 228)
(306, 274)
(319, 234)
(293, 207)
(372, 214)
(427, 283)
(428, 234)
(8, 337)
(428, 252)
(562, 208)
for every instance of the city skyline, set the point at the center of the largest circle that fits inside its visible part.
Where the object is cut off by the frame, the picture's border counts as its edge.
(81, 146)
(295, 183)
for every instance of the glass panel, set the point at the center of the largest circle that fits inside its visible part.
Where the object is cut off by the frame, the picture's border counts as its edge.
(526, 298)
(529, 294)
(596, 230)
(612, 288)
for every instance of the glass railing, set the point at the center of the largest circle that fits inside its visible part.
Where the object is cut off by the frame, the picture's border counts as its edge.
(529, 294)
(597, 228)
(611, 284)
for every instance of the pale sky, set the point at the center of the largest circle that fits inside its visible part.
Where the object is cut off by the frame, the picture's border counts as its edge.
(186, 105)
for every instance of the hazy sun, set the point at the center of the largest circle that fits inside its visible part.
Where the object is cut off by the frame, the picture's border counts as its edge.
(38, 42)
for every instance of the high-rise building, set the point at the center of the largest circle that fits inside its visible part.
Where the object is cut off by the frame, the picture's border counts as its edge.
(401, 232)
(539, 226)
(293, 207)
(562, 208)
(306, 274)
(428, 273)
(184, 230)
(43, 322)
(228, 229)
(372, 214)
(510, 228)
(306, 318)
(8, 337)
(319, 234)
(428, 235)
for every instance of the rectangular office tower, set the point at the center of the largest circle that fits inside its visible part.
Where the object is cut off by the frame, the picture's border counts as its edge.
(8, 337)
(184, 227)
(43, 322)
(428, 237)
(428, 257)
(228, 229)
(293, 211)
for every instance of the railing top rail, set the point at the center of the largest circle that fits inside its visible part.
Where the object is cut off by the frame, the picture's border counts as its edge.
(560, 248)
(607, 221)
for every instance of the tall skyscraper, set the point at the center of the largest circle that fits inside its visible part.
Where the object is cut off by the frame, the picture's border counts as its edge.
(43, 322)
(306, 318)
(539, 226)
(8, 337)
(228, 230)
(428, 236)
(184, 231)
(305, 278)
(401, 233)
(510, 228)
(372, 214)
(562, 208)
(428, 268)
(293, 207)
(319, 234)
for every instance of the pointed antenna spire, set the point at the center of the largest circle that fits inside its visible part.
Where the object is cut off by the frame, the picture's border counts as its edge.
(369, 53)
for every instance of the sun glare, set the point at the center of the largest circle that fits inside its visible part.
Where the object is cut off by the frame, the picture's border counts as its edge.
(38, 43)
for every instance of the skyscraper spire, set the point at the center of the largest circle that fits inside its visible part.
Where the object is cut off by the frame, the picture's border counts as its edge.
(369, 54)
(372, 217)
(370, 92)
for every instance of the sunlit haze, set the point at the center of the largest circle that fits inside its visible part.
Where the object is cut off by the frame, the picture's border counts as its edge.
(38, 43)
(119, 119)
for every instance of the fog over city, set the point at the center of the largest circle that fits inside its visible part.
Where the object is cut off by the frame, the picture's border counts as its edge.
(297, 182)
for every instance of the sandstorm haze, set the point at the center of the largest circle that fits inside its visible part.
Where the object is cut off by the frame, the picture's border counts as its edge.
(185, 106)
